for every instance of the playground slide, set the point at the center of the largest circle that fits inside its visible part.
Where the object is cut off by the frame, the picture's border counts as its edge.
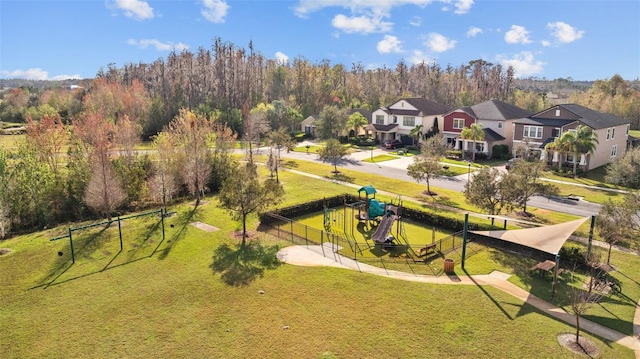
(376, 208)
(380, 236)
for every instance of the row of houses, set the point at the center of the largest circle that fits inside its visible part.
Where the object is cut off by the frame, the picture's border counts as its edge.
(501, 122)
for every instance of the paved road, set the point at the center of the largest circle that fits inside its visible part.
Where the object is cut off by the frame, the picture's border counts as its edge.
(398, 169)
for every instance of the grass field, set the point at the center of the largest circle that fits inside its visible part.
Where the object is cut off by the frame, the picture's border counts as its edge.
(161, 298)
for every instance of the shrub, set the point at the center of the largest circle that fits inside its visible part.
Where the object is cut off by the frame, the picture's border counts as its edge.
(501, 152)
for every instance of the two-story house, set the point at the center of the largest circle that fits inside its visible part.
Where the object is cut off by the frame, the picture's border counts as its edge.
(495, 117)
(398, 120)
(546, 126)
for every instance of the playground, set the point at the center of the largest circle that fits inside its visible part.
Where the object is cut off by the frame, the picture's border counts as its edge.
(374, 230)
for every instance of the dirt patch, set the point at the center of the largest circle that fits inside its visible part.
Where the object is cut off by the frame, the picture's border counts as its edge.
(205, 227)
(238, 234)
(585, 347)
(4, 251)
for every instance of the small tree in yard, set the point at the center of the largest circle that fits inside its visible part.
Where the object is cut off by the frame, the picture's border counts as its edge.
(522, 182)
(579, 303)
(485, 191)
(424, 169)
(243, 193)
(616, 221)
(332, 151)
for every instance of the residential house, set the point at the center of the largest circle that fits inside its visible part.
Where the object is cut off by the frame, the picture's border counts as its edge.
(398, 120)
(308, 125)
(362, 131)
(546, 126)
(495, 117)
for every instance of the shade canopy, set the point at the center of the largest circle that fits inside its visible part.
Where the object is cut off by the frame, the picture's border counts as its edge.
(548, 239)
(368, 190)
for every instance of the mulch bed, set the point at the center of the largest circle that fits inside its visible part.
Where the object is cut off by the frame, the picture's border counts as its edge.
(586, 346)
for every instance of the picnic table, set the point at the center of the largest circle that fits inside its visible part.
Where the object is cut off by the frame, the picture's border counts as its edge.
(546, 266)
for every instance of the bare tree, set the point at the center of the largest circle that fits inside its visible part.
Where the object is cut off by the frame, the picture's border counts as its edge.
(579, 303)
(191, 134)
(104, 192)
(164, 181)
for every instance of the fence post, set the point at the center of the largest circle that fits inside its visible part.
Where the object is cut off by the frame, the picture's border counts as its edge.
(464, 237)
(162, 222)
(120, 233)
(291, 230)
(73, 255)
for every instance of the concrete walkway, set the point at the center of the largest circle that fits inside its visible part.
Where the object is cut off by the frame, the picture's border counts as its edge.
(326, 256)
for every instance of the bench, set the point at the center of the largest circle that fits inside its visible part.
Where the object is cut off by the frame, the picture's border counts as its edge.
(429, 248)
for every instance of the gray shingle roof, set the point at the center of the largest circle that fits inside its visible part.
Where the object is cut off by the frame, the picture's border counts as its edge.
(491, 135)
(594, 119)
(427, 107)
(498, 110)
(544, 122)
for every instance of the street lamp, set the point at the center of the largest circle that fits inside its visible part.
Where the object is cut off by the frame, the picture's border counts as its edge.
(469, 173)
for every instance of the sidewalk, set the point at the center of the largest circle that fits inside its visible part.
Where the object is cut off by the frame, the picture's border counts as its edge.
(326, 256)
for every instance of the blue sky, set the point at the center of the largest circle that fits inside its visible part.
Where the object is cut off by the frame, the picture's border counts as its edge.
(584, 40)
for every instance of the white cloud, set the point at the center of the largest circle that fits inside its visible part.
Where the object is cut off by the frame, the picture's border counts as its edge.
(281, 57)
(215, 10)
(160, 46)
(360, 24)
(564, 32)
(418, 57)
(369, 13)
(524, 64)
(463, 6)
(389, 44)
(415, 21)
(139, 10)
(36, 74)
(517, 35)
(473, 31)
(439, 43)
(545, 43)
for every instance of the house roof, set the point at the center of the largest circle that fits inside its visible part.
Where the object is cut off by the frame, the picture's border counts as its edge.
(365, 113)
(494, 110)
(498, 110)
(383, 128)
(544, 122)
(546, 142)
(591, 118)
(491, 135)
(427, 107)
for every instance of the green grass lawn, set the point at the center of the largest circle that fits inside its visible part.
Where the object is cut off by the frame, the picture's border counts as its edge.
(10, 141)
(170, 304)
(161, 298)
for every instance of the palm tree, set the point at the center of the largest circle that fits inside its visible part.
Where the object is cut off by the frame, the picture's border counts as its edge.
(416, 132)
(474, 133)
(564, 144)
(585, 143)
(356, 121)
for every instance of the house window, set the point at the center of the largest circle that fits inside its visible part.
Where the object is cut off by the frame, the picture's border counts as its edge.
(613, 133)
(555, 133)
(409, 121)
(532, 132)
(614, 150)
(500, 124)
(395, 119)
(458, 123)
(558, 113)
(609, 134)
(379, 119)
